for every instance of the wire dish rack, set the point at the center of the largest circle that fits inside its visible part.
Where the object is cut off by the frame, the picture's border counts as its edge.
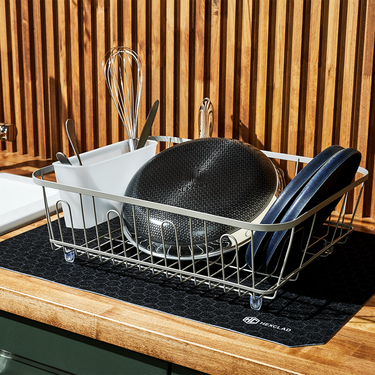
(220, 265)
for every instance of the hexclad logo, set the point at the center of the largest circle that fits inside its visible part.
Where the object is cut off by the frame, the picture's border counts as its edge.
(251, 320)
(254, 320)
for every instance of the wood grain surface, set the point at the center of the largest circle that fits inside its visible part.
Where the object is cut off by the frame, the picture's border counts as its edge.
(293, 76)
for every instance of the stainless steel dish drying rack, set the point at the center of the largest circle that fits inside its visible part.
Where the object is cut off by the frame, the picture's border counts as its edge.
(219, 266)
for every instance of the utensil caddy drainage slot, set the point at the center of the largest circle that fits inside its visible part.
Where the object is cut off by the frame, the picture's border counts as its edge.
(223, 266)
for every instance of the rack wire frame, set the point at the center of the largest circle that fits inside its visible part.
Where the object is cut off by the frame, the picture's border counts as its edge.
(227, 270)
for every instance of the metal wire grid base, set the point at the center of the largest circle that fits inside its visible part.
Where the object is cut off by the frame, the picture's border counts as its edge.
(226, 271)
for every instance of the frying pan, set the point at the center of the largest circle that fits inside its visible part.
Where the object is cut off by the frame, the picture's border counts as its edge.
(223, 177)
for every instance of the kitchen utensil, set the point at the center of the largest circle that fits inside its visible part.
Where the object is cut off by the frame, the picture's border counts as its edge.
(122, 70)
(69, 126)
(148, 124)
(62, 158)
(223, 177)
(206, 118)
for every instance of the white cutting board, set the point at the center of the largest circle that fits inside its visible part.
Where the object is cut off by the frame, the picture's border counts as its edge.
(21, 201)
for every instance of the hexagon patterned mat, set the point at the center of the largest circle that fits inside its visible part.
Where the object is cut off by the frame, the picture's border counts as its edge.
(306, 312)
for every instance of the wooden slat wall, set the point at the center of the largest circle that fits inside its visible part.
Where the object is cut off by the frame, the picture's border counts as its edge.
(291, 76)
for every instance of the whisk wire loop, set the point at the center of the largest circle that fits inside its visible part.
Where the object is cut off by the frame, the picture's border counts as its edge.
(122, 70)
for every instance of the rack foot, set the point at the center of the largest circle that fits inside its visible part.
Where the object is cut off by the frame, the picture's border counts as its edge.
(69, 256)
(330, 250)
(255, 302)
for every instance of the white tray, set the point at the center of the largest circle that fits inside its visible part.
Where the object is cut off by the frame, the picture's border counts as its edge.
(22, 201)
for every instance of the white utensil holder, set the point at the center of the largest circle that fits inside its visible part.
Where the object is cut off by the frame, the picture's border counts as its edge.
(108, 169)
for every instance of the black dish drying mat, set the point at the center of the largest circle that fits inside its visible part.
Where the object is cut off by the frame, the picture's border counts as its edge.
(306, 312)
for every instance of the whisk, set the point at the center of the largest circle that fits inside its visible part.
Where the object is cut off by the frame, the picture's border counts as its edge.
(122, 70)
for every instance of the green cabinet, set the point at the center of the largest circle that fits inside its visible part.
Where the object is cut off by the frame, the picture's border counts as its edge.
(28, 347)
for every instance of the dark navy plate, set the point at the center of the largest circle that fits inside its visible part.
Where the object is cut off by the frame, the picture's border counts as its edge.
(334, 176)
(286, 198)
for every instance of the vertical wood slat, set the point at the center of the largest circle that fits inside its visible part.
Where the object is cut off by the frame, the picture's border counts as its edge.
(21, 146)
(89, 125)
(278, 80)
(214, 53)
(349, 73)
(199, 61)
(155, 62)
(127, 14)
(63, 74)
(184, 71)
(74, 105)
(170, 88)
(294, 77)
(102, 97)
(115, 123)
(288, 75)
(312, 78)
(31, 136)
(367, 72)
(126, 37)
(230, 68)
(142, 53)
(5, 68)
(52, 77)
(261, 84)
(39, 80)
(330, 74)
(245, 86)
